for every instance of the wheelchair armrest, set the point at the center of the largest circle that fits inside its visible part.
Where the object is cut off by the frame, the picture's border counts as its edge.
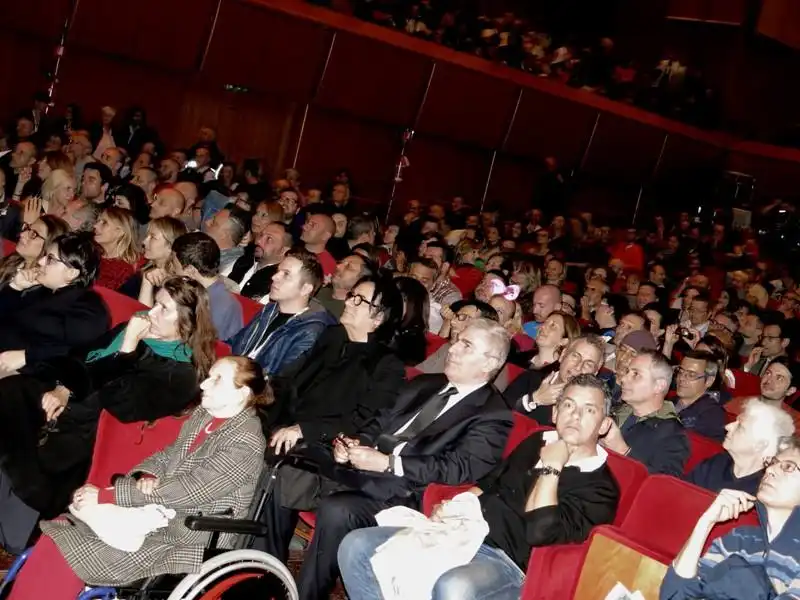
(226, 525)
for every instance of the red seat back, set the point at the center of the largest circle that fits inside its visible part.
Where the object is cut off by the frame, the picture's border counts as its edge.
(522, 428)
(9, 247)
(513, 372)
(630, 475)
(524, 342)
(665, 512)
(747, 384)
(120, 307)
(250, 308)
(412, 372)
(119, 447)
(701, 449)
(466, 279)
(434, 342)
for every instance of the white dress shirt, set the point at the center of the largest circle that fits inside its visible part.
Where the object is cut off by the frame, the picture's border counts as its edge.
(586, 465)
(527, 401)
(462, 392)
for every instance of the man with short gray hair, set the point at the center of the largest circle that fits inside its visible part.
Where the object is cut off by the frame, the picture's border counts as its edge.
(448, 428)
(697, 405)
(646, 427)
(553, 489)
(757, 434)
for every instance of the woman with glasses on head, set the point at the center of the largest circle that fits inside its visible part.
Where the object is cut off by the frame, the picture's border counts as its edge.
(116, 233)
(47, 311)
(349, 374)
(144, 370)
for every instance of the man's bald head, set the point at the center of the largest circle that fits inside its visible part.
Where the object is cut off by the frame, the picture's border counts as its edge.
(189, 191)
(168, 202)
(318, 229)
(24, 155)
(546, 299)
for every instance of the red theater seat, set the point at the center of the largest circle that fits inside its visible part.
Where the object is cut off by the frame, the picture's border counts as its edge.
(120, 307)
(466, 279)
(121, 446)
(434, 342)
(746, 384)
(9, 247)
(701, 449)
(250, 308)
(412, 372)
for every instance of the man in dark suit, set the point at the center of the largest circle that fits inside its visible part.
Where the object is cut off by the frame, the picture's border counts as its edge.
(446, 428)
(253, 271)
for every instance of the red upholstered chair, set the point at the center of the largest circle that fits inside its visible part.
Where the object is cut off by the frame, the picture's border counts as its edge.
(434, 342)
(513, 372)
(701, 449)
(746, 384)
(412, 372)
(466, 279)
(120, 307)
(553, 570)
(121, 446)
(524, 342)
(9, 247)
(250, 308)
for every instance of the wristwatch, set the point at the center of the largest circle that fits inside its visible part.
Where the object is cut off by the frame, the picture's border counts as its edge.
(548, 470)
(390, 468)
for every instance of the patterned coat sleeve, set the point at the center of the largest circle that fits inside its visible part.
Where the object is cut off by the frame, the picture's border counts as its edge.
(226, 472)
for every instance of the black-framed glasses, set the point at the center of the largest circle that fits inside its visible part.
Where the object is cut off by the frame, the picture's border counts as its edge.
(359, 299)
(787, 466)
(681, 373)
(35, 234)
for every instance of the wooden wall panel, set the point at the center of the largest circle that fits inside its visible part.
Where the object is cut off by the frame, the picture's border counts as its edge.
(23, 64)
(442, 168)
(512, 184)
(266, 51)
(248, 125)
(547, 125)
(468, 106)
(41, 18)
(93, 80)
(334, 140)
(374, 80)
(623, 150)
(170, 34)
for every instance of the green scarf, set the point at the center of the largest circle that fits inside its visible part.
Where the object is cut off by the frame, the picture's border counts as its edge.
(174, 350)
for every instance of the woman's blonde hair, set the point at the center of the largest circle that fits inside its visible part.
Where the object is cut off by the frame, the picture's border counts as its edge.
(58, 178)
(171, 228)
(126, 247)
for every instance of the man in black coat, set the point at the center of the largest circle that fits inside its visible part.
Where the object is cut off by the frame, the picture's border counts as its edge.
(647, 427)
(569, 490)
(448, 428)
(253, 271)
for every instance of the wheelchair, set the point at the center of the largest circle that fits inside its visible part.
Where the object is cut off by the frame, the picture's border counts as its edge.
(228, 574)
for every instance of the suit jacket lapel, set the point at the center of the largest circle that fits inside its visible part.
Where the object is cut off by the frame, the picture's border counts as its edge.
(424, 393)
(456, 413)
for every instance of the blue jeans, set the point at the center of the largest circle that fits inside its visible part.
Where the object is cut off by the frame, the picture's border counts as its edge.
(491, 575)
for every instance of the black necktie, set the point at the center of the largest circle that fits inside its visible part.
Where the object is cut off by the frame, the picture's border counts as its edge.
(427, 414)
(387, 442)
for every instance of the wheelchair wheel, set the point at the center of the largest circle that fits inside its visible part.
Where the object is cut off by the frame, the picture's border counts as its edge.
(237, 574)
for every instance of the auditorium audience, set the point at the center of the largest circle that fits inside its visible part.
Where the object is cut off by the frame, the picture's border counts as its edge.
(752, 439)
(161, 263)
(569, 490)
(49, 311)
(758, 560)
(253, 271)
(646, 426)
(34, 241)
(290, 323)
(212, 467)
(141, 371)
(448, 428)
(198, 258)
(116, 233)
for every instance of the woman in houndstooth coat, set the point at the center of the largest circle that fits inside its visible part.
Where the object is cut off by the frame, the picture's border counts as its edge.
(212, 468)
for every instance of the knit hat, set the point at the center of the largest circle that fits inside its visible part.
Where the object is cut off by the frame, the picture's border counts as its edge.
(640, 340)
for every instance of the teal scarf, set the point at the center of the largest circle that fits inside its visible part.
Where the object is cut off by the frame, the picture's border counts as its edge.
(175, 350)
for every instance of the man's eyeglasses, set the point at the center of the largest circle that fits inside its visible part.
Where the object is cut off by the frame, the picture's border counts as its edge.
(688, 375)
(464, 316)
(34, 234)
(787, 466)
(358, 300)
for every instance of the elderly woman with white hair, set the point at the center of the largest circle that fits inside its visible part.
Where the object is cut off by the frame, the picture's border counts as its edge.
(758, 434)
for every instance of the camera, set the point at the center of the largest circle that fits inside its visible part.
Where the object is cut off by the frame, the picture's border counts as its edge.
(686, 333)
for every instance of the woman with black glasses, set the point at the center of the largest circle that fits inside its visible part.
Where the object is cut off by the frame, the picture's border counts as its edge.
(48, 311)
(348, 375)
(34, 240)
